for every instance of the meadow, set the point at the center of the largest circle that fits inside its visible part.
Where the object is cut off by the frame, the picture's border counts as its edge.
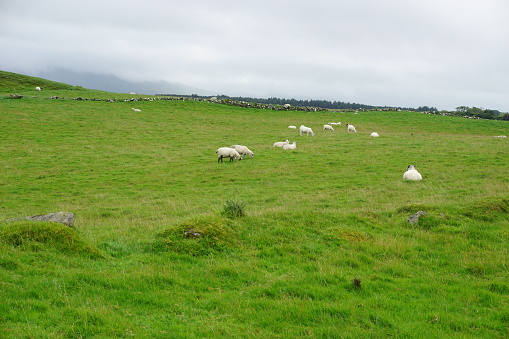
(323, 250)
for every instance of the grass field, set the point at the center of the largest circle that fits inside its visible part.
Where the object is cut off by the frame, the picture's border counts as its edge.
(316, 218)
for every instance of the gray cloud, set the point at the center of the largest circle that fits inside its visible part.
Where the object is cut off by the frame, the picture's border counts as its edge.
(443, 53)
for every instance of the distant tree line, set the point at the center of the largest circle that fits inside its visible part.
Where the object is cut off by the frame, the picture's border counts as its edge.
(302, 103)
(476, 112)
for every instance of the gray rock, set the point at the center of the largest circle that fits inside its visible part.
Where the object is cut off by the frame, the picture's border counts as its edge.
(66, 218)
(414, 218)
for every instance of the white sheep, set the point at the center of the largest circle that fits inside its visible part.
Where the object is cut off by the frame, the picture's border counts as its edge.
(281, 143)
(290, 146)
(227, 152)
(307, 130)
(351, 128)
(287, 106)
(374, 134)
(136, 109)
(38, 88)
(243, 150)
(412, 174)
(292, 127)
(328, 128)
(334, 123)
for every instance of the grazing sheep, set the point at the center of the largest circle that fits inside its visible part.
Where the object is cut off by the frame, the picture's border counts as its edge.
(351, 128)
(374, 134)
(292, 127)
(307, 130)
(412, 174)
(287, 105)
(38, 88)
(243, 150)
(290, 146)
(328, 128)
(281, 143)
(136, 109)
(227, 152)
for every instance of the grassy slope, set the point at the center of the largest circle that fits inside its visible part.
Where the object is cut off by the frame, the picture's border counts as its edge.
(317, 217)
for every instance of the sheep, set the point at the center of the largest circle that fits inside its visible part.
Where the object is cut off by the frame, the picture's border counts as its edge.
(292, 127)
(227, 152)
(334, 123)
(38, 88)
(307, 130)
(287, 106)
(281, 143)
(290, 146)
(412, 174)
(136, 109)
(351, 128)
(374, 134)
(243, 150)
(328, 128)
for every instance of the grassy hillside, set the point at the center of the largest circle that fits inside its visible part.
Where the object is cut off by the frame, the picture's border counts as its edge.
(14, 82)
(324, 250)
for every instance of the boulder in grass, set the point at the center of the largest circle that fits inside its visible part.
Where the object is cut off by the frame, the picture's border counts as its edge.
(66, 218)
(414, 218)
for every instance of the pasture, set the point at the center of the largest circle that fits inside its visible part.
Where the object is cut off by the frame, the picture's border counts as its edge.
(316, 218)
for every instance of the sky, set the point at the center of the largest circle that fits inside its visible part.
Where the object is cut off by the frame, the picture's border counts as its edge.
(404, 53)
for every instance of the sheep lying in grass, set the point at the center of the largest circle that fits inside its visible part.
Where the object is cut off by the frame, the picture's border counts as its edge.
(328, 128)
(292, 127)
(281, 143)
(351, 128)
(307, 130)
(136, 109)
(374, 134)
(227, 152)
(243, 150)
(290, 146)
(334, 123)
(412, 174)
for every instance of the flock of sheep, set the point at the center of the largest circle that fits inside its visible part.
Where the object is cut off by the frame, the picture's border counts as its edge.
(238, 151)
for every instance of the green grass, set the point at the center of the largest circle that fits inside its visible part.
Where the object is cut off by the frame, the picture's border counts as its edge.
(155, 253)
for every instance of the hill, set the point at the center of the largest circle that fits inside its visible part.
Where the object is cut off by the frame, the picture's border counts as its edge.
(322, 249)
(114, 84)
(16, 83)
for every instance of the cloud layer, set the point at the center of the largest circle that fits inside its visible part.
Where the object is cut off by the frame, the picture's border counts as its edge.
(443, 53)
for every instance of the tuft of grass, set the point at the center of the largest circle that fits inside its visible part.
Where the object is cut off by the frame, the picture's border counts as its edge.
(487, 209)
(200, 236)
(233, 209)
(37, 236)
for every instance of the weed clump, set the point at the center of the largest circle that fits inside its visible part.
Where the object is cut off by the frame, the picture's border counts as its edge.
(233, 209)
(36, 236)
(198, 237)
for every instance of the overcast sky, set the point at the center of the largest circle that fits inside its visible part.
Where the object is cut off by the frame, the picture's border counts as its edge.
(407, 53)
